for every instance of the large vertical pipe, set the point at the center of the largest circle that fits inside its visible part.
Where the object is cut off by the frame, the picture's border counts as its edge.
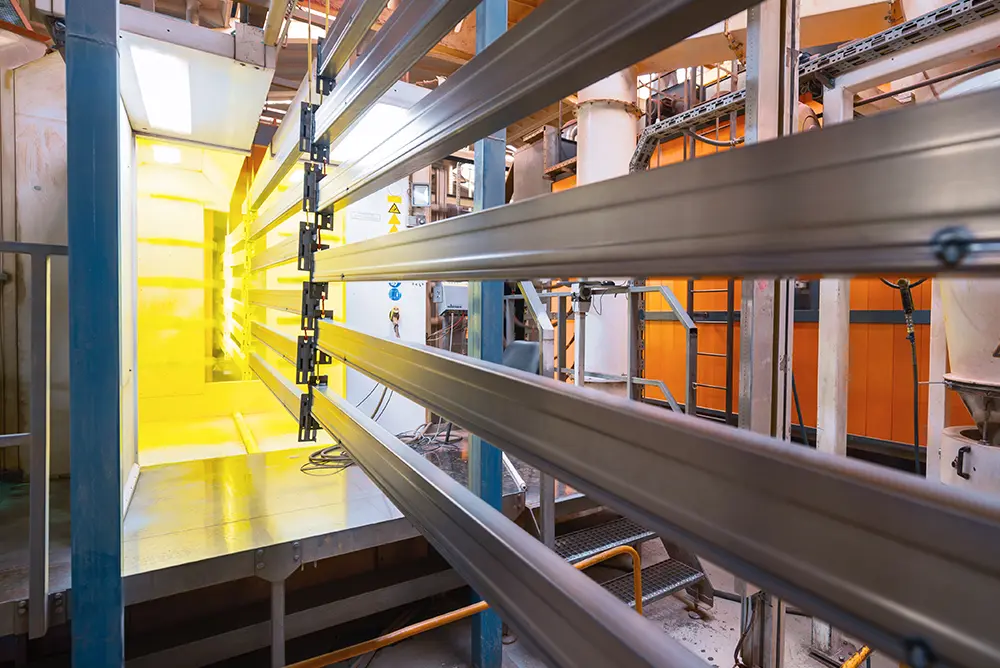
(605, 144)
(486, 329)
(94, 338)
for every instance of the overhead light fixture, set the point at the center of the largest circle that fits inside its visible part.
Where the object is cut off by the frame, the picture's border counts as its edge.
(167, 155)
(165, 87)
(458, 28)
(381, 122)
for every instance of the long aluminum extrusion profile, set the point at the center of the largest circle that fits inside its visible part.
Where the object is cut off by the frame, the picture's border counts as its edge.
(273, 256)
(411, 31)
(281, 387)
(282, 344)
(353, 22)
(578, 41)
(281, 300)
(571, 619)
(911, 191)
(907, 565)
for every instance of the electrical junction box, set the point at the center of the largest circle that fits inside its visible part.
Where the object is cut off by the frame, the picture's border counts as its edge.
(454, 298)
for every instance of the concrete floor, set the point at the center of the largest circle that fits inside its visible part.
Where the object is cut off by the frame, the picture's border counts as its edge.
(713, 639)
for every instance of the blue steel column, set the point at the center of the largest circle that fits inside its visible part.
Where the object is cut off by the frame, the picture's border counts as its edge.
(486, 328)
(95, 443)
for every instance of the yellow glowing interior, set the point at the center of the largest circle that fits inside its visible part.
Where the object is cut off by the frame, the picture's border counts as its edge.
(197, 399)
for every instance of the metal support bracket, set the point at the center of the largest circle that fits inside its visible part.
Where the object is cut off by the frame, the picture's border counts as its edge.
(309, 244)
(307, 423)
(310, 186)
(308, 359)
(324, 84)
(313, 295)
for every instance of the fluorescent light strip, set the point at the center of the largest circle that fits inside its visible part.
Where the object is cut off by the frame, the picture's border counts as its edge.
(165, 86)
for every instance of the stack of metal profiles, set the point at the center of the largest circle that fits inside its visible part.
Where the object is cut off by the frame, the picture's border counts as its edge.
(908, 566)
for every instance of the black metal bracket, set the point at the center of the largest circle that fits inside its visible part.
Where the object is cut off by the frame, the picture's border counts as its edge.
(307, 127)
(324, 83)
(309, 244)
(313, 295)
(959, 462)
(310, 186)
(324, 219)
(308, 426)
(308, 359)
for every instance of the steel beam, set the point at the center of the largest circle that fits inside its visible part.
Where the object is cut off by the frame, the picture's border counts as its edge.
(780, 516)
(284, 345)
(811, 203)
(571, 620)
(486, 330)
(411, 31)
(579, 41)
(92, 116)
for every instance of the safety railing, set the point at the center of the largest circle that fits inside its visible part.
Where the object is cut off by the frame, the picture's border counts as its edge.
(455, 615)
(38, 436)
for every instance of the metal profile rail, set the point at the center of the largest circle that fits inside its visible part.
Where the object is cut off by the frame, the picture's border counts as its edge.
(282, 344)
(774, 514)
(38, 437)
(410, 33)
(353, 21)
(578, 40)
(394, 637)
(280, 253)
(569, 618)
(812, 203)
(284, 390)
(281, 300)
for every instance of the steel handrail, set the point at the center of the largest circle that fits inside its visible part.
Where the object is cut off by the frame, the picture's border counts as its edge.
(394, 637)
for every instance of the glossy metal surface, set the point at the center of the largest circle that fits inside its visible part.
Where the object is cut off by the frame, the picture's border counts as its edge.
(777, 515)
(579, 41)
(411, 31)
(568, 617)
(193, 512)
(812, 203)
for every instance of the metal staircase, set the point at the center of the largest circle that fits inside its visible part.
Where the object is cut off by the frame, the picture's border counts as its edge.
(658, 580)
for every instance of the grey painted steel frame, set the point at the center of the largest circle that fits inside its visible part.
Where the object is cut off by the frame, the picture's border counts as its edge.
(811, 203)
(567, 616)
(38, 436)
(579, 41)
(779, 515)
(411, 31)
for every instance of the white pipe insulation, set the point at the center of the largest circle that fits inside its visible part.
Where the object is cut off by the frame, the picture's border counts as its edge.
(606, 122)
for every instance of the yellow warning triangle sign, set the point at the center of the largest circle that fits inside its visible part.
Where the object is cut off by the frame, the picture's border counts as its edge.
(393, 223)
(394, 208)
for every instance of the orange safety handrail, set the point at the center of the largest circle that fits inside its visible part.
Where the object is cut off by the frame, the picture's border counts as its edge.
(857, 658)
(455, 615)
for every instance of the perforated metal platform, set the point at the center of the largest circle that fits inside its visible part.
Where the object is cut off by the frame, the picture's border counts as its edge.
(578, 545)
(658, 581)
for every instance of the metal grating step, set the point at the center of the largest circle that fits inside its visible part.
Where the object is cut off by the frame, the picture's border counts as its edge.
(658, 581)
(577, 546)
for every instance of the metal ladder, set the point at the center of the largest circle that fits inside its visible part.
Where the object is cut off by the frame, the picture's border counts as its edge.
(702, 316)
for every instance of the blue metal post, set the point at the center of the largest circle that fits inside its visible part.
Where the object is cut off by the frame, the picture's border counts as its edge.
(486, 329)
(95, 439)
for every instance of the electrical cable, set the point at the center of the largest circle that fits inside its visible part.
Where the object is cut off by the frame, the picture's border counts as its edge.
(905, 287)
(737, 660)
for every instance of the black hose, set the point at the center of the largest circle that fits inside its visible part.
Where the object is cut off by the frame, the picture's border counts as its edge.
(916, 405)
(798, 409)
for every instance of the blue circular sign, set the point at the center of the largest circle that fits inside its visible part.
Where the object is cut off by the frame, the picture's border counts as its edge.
(395, 295)
(394, 285)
